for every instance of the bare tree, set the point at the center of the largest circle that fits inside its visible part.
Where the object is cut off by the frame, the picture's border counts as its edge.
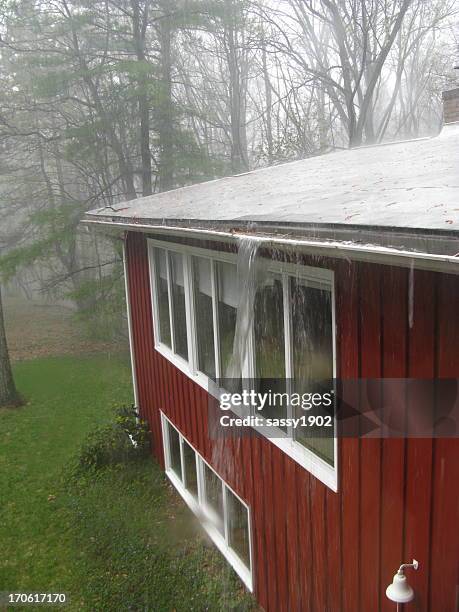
(345, 46)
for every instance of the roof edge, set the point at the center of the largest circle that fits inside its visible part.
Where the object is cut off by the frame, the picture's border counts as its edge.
(341, 249)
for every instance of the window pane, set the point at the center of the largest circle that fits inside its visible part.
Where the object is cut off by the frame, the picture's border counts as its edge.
(163, 296)
(227, 312)
(191, 478)
(204, 315)
(174, 451)
(270, 343)
(312, 354)
(238, 528)
(178, 304)
(213, 495)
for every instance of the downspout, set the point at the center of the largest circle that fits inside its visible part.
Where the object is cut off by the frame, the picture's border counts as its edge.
(131, 343)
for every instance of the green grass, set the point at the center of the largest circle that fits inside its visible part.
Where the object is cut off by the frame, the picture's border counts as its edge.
(116, 539)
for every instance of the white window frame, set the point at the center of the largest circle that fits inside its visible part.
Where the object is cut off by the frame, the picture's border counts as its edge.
(198, 505)
(190, 367)
(307, 458)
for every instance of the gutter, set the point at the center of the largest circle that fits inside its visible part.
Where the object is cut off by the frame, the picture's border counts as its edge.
(130, 335)
(347, 250)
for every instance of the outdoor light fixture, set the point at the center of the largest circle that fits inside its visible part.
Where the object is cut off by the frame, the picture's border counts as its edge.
(400, 591)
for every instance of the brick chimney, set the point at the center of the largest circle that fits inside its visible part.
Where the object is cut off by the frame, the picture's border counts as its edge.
(451, 105)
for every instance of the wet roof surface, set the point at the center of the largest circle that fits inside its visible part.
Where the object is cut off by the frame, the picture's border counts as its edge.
(412, 185)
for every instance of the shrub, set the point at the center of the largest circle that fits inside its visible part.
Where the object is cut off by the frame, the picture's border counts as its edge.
(126, 439)
(135, 428)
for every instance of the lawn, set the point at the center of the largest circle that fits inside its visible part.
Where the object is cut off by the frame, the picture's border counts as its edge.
(39, 329)
(118, 539)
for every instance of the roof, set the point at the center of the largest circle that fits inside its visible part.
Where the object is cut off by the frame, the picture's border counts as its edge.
(406, 188)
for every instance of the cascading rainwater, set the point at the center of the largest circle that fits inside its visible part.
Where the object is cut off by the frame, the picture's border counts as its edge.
(250, 273)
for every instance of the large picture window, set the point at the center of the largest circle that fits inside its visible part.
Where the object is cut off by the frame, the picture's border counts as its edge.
(227, 312)
(223, 514)
(195, 297)
(178, 304)
(312, 346)
(301, 360)
(238, 527)
(169, 278)
(203, 301)
(162, 293)
(175, 455)
(213, 498)
(269, 330)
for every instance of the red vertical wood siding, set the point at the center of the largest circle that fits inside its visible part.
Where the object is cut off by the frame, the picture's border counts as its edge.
(444, 522)
(347, 323)
(315, 550)
(394, 347)
(370, 342)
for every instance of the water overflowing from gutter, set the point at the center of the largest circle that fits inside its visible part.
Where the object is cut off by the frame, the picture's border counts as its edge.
(251, 270)
(250, 273)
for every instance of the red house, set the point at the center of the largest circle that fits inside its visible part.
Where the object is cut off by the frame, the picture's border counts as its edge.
(359, 251)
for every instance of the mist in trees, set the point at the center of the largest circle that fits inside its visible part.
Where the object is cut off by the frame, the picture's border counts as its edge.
(105, 101)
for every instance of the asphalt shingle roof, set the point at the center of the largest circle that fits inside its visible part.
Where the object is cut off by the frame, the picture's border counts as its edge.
(412, 184)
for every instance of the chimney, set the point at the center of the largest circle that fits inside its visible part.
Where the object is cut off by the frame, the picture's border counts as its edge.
(451, 105)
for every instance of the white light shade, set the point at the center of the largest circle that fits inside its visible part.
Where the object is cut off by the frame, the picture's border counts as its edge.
(400, 591)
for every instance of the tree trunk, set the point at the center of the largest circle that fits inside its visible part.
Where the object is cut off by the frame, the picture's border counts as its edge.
(165, 127)
(376, 73)
(139, 26)
(322, 121)
(239, 154)
(8, 394)
(269, 103)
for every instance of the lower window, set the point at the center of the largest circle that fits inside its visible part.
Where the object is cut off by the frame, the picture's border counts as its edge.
(223, 514)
